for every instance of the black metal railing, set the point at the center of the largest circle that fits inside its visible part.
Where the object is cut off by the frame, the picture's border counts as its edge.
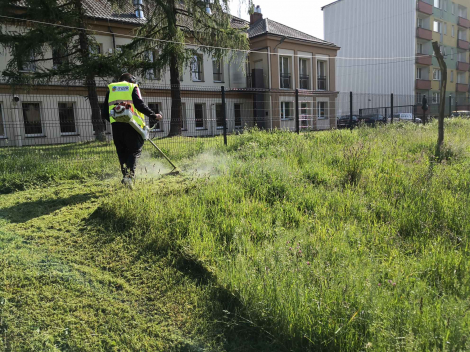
(304, 82)
(217, 76)
(285, 81)
(321, 83)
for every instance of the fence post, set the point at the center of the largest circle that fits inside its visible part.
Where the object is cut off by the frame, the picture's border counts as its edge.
(351, 110)
(224, 114)
(391, 108)
(450, 105)
(297, 115)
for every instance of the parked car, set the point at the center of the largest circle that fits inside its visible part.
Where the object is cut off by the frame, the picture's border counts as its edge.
(405, 117)
(372, 120)
(344, 121)
(460, 113)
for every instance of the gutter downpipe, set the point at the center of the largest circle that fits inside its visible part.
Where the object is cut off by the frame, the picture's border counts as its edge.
(114, 38)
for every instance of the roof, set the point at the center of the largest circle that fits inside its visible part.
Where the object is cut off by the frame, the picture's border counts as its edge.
(267, 26)
(101, 9)
(334, 2)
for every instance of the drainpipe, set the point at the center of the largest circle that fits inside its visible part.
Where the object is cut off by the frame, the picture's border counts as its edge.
(114, 38)
(19, 142)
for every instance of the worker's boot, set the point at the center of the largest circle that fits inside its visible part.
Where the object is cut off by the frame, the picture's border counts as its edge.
(128, 179)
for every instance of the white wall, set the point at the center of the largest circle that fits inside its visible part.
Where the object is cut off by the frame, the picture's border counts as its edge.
(373, 29)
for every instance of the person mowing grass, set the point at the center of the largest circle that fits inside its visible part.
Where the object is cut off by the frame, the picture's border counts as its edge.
(124, 108)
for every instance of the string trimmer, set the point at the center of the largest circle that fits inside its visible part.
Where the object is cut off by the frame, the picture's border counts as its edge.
(175, 170)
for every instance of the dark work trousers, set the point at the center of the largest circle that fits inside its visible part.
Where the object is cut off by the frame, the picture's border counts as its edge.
(129, 146)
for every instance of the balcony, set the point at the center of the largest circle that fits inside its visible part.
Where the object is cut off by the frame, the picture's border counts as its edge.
(423, 84)
(304, 82)
(463, 44)
(321, 83)
(463, 66)
(423, 59)
(424, 33)
(463, 22)
(462, 88)
(285, 81)
(424, 8)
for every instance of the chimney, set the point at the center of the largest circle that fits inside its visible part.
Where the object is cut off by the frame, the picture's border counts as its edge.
(138, 8)
(256, 16)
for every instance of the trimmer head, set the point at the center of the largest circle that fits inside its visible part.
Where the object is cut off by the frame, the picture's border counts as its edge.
(173, 172)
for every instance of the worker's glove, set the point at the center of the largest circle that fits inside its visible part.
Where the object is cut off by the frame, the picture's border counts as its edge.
(157, 117)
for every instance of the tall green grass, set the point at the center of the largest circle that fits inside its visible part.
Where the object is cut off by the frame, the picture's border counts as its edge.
(331, 241)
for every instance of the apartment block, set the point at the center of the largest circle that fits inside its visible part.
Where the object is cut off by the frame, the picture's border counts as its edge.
(393, 40)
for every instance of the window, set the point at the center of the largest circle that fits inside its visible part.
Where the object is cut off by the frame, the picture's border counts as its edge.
(153, 73)
(420, 48)
(452, 76)
(59, 56)
(304, 117)
(199, 116)
(67, 119)
(452, 53)
(219, 116)
(453, 8)
(435, 98)
(436, 74)
(462, 57)
(437, 27)
(420, 23)
(284, 72)
(217, 69)
(32, 119)
(453, 31)
(461, 78)
(2, 127)
(419, 73)
(26, 63)
(322, 108)
(321, 75)
(445, 5)
(196, 69)
(462, 35)
(238, 115)
(96, 48)
(462, 12)
(286, 110)
(419, 98)
(444, 25)
(154, 125)
(184, 127)
(437, 3)
(304, 76)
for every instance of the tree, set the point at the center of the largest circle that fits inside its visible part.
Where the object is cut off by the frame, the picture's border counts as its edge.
(171, 24)
(442, 103)
(42, 52)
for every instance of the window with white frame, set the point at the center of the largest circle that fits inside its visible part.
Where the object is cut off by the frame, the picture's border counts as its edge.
(452, 53)
(444, 2)
(451, 76)
(444, 26)
(287, 111)
(154, 125)
(284, 72)
(95, 48)
(419, 98)
(238, 115)
(435, 97)
(461, 78)
(462, 12)
(420, 23)
(32, 119)
(197, 68)
(462, 35)
(437, 27)
(199, 116)
(218, 70)
(322, 76)
(67, 119)
(322, 110)
(59, 56)
(219, 116)
(419, 48)
(437, 3)
(27, 63)
(304, 77)
(453, 31)
(153, 73)
(436, 75)
(419, 73)
(453, 8)
(304, 115)
(462, 57)
(2, 126)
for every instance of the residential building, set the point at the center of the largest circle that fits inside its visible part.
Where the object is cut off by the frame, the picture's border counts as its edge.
(391, 42)
(284, 59)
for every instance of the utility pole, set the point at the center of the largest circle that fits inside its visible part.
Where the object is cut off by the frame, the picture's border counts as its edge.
(442, 104)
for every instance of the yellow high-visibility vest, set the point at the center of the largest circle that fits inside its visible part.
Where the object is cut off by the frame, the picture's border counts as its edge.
(122, 92)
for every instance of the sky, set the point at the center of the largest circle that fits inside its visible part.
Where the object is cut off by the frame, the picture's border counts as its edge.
(303, 15)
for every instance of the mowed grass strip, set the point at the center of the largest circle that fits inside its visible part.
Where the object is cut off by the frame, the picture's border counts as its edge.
(318, 242)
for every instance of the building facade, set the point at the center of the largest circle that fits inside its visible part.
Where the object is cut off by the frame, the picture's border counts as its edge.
(387, 46)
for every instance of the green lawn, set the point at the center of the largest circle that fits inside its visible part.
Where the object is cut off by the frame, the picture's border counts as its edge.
(332, 241)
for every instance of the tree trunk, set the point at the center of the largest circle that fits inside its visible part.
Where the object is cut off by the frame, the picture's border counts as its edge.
(97, 122)
(442, 104)
(176, 116)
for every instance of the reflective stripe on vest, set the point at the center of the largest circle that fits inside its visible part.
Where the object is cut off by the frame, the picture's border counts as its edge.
(122, 92)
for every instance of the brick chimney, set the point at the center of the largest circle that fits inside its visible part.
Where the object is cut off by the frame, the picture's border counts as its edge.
(256, 16)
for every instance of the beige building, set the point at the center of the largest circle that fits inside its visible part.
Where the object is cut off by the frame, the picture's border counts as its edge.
(59, 113)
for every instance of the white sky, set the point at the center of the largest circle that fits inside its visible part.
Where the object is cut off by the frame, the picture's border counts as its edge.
(303, 15)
